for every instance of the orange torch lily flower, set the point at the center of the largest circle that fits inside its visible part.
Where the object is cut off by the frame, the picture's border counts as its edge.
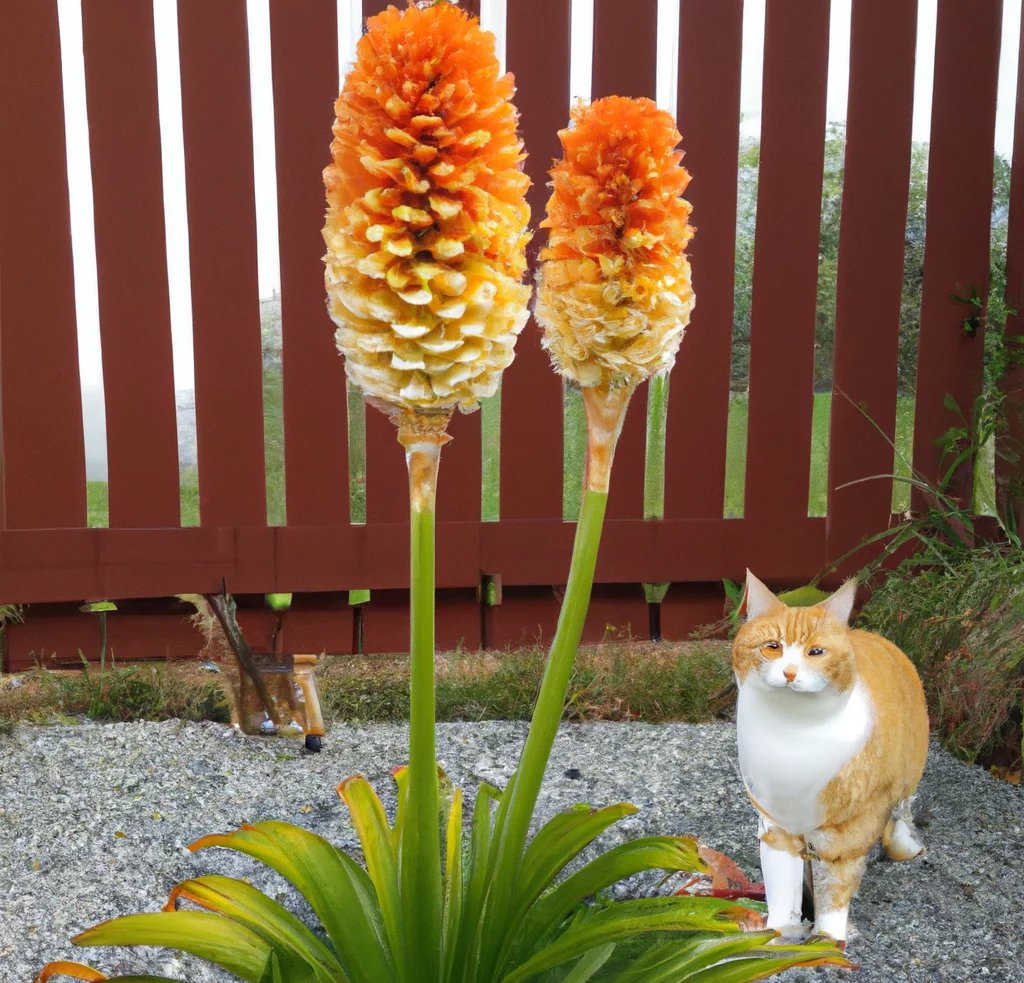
(615, 294)
(427, 218)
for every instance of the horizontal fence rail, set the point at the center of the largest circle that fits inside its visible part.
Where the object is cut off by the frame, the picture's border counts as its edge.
(503, 553)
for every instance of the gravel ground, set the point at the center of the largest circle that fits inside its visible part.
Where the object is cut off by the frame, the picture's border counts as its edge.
(94, 820)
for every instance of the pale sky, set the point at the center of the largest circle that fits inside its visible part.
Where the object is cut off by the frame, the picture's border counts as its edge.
(493, 17)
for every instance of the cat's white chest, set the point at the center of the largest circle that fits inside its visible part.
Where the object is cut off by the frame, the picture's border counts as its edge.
(791, 745)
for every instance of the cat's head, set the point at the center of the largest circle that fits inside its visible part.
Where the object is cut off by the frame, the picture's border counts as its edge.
(804, 650)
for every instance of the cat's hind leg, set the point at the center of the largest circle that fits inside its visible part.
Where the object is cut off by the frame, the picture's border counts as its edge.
(900, 838)
(782, 865)
(835, 883)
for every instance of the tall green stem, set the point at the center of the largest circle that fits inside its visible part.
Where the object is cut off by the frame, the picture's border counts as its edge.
(419, 849)
(547, 713)
(606, 410)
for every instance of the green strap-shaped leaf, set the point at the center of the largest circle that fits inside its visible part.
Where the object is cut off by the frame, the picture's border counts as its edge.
(219, 940)
(268, 919)
(452, 880)
(336, 887)
(590, 964)
(559, 841)
(674, 960)
(371, 824)
(272, 971)
(768, 961)
(672, 853)
(501, 817)
(629, 918)
(401, 777)
(459, 959)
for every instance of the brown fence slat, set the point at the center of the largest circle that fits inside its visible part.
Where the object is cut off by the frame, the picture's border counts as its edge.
(217, 120)
(625, 64)
(537, 51)
(690, 606)
(526, 616)
(43, 449)
(387, 481)
(318, 623)
(959, 198)
(710, 43)
(135, 320)
(870, 277)
(386, 621)
(1010, 474)
(459, 483)
(786, 259)
(304, 50)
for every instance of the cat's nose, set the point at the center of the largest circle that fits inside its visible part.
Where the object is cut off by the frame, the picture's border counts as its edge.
(790, 673)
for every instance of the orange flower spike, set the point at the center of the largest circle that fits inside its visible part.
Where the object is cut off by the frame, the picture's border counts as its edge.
(615, 293)
(427, 218)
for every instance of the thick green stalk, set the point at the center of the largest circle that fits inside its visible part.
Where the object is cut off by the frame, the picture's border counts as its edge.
(606, 409)
(419, 848)
(547, 714)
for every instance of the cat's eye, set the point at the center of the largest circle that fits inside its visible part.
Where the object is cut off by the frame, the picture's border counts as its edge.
(771, 645)
(816, 651)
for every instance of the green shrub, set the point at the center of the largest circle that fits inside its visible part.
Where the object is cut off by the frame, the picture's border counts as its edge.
(962, 624)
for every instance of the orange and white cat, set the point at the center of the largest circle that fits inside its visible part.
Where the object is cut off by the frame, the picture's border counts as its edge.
(832, 728)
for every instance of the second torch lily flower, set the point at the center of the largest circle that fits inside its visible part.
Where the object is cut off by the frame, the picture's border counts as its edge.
(614, 294)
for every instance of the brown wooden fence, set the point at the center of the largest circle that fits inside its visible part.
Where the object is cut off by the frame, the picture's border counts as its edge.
(50, 559)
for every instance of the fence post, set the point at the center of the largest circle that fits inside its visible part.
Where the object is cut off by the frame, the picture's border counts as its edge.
(958, 224)
(786, 261)
(43, 449)
(870, 275)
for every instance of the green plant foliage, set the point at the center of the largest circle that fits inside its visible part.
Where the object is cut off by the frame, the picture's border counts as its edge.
(123, 693)
(619, 681)
(546, 936)
(962, 623)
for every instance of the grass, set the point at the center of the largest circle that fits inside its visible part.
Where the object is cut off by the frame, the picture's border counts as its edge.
(273, 446)
(615, 681)
(736, 456)
(574, 458)
(118, 693)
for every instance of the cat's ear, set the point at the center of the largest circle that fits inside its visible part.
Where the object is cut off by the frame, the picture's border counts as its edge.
(757, 599)
(840, 604)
